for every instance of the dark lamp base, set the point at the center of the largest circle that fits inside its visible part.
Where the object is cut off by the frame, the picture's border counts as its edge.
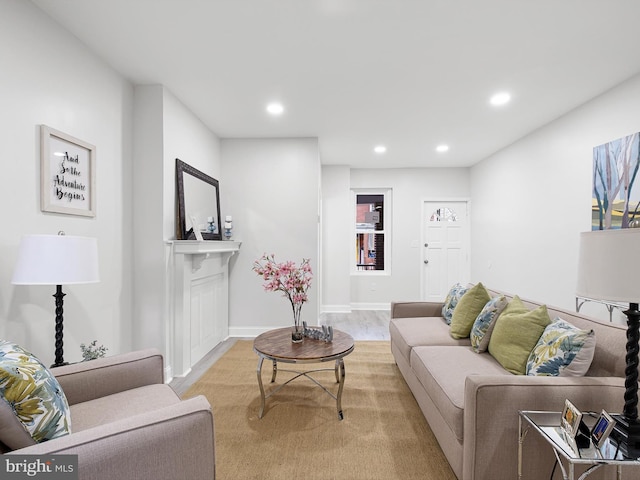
(626, 433)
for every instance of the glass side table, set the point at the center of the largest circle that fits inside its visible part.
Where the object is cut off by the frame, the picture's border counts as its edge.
(547, 424)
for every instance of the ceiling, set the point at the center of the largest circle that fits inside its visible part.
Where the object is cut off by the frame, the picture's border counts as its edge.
(409, 74)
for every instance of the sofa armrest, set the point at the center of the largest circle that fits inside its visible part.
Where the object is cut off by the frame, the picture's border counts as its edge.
(86, 381)
(168, 443)
(416, 309)
(491, 417)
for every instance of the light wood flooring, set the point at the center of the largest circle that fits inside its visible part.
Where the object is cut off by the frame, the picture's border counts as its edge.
(360, 324)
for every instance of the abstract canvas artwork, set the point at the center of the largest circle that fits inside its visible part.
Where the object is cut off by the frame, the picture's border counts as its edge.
(616, 199)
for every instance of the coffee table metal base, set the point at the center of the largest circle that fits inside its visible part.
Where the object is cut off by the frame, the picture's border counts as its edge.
(339, 371)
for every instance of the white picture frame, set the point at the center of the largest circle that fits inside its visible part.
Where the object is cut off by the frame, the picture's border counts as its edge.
(602, 429)
(571, 417)
(67, 174)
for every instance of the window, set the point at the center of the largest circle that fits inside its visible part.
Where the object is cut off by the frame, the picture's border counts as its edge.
(371, 235)
(444, 214)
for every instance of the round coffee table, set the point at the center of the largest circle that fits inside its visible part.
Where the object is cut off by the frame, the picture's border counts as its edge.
(276, 345)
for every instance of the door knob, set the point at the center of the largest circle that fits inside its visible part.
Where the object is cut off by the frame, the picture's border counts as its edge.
(426, 261)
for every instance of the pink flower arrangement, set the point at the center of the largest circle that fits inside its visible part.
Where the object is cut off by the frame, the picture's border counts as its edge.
(287, 278)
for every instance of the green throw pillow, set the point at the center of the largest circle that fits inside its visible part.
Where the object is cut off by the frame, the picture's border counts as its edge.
(34, 396)
(515, 335)
(467, 310)
(515, 305)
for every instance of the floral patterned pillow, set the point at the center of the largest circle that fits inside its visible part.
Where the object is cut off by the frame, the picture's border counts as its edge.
(486, 320)
(34, 396)
(563, 350)
(453, 297)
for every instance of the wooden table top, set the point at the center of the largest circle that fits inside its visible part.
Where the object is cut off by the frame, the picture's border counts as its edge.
(277, 345)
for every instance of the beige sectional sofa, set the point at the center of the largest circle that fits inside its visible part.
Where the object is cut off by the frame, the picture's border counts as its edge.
(471, 402)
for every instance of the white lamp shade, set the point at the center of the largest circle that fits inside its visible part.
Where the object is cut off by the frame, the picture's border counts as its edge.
(56, 260)
(609, 265)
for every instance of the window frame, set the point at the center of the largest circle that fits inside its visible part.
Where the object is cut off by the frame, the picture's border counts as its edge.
(386, 231)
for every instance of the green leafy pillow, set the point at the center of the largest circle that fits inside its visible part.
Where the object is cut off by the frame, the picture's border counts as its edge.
(467, 310)
(515, 335)
(453, 297)
(33, 394)
(563, 350)
(485, 321)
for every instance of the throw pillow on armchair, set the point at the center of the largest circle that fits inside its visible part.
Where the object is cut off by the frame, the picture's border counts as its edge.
(33, 407)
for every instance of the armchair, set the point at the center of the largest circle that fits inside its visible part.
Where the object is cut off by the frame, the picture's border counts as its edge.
(126, 423)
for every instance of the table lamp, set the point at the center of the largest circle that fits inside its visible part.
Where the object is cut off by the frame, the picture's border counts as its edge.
(608, 268)
(56, 260)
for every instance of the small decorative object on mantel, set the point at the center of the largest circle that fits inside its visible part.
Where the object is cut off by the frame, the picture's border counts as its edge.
(211, 225)
(291, 280)
(92, 351)
(228, 227)
(324, 332)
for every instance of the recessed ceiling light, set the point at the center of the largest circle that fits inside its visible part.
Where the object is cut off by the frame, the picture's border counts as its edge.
(501, 98)
(380, 149)
(442, 148)
(275, 108)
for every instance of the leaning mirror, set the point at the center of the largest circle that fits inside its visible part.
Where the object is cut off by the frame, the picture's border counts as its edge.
(198, 204)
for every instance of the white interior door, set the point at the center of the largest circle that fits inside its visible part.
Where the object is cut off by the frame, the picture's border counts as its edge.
(445, 250)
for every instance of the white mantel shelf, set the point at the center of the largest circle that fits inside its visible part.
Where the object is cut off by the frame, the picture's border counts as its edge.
(195, 247)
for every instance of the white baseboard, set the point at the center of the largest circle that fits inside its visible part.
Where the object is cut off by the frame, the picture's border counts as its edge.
(371, 306)
(335, 309)
(249, 332)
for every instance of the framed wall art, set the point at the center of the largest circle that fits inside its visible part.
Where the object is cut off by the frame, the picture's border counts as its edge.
(616, 198)
(67, 174)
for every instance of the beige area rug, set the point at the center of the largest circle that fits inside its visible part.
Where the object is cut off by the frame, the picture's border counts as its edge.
(383, 434)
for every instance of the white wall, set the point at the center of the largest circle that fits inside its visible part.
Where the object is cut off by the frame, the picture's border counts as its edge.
(49, 78)
(164, 130)
(148, 261)
(337, 241)
(410, 187)
(531, 200)
(186, 138)
(271, 187)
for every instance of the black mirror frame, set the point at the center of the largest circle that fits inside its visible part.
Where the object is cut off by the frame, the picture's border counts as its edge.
(182, 233)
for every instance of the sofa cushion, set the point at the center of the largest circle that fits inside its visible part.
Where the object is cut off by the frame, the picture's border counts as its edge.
(407, 333)
(34, 408)
(442, 371)
(453, 297)
(562, 350)
(108, 409)
(467, 310)
(515, 335)
(484, 323)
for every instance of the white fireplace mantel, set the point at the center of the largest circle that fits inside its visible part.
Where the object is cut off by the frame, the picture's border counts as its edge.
(201, 250)
(198, 317)
(193, 247)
